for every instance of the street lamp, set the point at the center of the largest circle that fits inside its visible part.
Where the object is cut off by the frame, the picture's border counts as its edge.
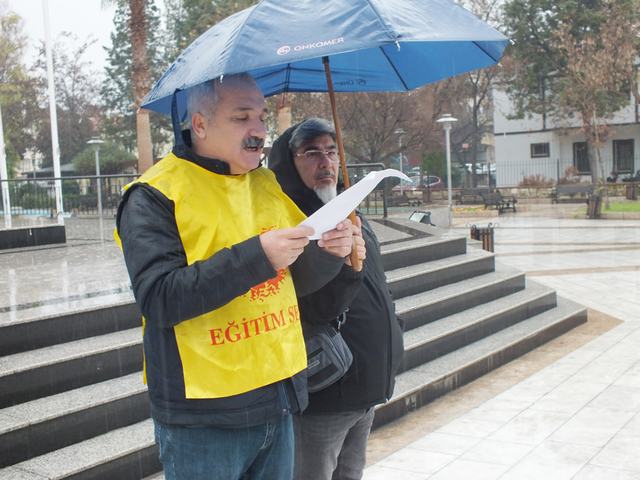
(447, 121)
(400, 132)
(96, 142)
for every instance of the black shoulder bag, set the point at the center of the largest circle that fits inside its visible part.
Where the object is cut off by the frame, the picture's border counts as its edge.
(328, 355)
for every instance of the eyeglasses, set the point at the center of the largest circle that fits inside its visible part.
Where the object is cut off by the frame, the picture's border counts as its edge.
(317, 155)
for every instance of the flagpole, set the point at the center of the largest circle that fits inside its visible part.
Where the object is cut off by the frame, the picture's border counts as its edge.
(355, 261)
(4, 176)
(55, 147)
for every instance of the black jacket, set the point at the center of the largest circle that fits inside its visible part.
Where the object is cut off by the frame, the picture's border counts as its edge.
(168, 291)
(372, 329)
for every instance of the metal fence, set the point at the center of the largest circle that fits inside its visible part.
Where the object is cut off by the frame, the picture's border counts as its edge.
(36, 197)
(376, 202)
(552, 170)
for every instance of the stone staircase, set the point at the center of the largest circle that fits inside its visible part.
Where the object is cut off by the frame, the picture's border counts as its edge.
(72, 403)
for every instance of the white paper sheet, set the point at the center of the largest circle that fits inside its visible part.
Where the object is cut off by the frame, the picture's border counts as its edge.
(332, 213)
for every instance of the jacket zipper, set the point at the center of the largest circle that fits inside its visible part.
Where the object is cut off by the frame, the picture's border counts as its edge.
(286, 410)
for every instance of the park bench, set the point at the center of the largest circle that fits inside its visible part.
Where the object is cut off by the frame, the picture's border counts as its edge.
(471, 196)
(398, 200)
(499, 201)
(568, 192)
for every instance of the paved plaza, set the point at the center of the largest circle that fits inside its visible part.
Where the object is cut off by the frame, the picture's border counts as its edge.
(570, 409)
(576, 417)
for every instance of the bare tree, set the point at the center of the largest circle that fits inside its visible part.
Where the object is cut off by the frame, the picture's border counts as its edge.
(478, 85)
(599, 77)
(374, 122)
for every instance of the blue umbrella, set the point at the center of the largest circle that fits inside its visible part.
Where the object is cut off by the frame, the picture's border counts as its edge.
(373, 45)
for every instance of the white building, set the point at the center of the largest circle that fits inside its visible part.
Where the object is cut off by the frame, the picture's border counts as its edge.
(542, 146)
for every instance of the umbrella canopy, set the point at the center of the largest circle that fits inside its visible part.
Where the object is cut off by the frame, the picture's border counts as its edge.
(374, 46)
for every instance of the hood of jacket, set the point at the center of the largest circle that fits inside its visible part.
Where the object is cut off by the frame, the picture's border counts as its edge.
(281, 162)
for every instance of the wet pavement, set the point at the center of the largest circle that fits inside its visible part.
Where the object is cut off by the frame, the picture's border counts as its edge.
(576, 416)
(51, 280)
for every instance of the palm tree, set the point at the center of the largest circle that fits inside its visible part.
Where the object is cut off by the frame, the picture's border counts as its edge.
(141, 78)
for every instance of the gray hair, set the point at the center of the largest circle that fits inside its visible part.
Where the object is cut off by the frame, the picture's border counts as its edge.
(309, 130)
(203, 98)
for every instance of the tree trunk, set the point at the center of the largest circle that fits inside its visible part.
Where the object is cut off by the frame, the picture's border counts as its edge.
(474, 146)
(593, 150)
(283, 113)
(140, 79)
(143, 133)
(284, 118)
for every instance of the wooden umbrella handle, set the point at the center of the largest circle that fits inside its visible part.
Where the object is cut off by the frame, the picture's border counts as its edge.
(356, 264)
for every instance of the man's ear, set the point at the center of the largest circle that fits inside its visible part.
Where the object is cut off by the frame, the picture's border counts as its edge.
(199, 125)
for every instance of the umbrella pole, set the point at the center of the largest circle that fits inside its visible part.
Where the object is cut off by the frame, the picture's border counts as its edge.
(355, 261)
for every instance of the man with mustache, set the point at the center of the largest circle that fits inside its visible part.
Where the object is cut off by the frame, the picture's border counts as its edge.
(213, 251)
(331, 436)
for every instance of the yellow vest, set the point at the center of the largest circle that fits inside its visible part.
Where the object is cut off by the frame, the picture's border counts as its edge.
(255, 339)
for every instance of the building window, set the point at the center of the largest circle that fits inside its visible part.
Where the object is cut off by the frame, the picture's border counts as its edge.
(581, 158)
(539, 150)
(623, 156)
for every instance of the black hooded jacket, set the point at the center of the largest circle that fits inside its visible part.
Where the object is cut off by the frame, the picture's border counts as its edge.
(372, 329)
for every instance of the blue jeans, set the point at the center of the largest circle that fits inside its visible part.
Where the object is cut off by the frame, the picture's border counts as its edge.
(263, 452)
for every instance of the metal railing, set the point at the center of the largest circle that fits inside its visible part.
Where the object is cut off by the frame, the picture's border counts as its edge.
(36, 196)
(553, 170)
(376, 202)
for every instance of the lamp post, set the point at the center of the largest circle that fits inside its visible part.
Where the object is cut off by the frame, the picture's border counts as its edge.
(447, 121)
(96, 142)
(400, 132)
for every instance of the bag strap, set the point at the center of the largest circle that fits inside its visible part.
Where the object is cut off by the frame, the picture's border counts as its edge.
(341, 319)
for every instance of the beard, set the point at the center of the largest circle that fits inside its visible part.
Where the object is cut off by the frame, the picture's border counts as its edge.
(326, 193)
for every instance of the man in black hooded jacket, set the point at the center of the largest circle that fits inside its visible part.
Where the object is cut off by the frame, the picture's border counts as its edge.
(332, 434)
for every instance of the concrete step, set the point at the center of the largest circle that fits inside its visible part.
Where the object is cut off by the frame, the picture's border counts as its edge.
(42, 332)
(436, 273)
(127, 453)
(46, 371)
(422, 384)
(419, 250)
(422, 308)
(443, 336)
(46, 424)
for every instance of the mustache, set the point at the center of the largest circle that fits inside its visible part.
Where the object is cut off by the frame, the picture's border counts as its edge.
(253, 142)
(324, 174)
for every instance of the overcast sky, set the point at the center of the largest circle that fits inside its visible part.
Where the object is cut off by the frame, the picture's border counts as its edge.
(84, 18)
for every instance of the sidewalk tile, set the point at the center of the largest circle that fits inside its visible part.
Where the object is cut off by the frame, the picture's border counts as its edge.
(445, 443)
(619, 398)
(591, 472)
(495, 451)
(416, 461)
(592, 426)
(378, 472)
(622, 451)
(531, 427)
(466, 469)
(552, 461)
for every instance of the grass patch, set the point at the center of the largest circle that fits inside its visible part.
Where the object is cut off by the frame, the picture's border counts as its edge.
(622, 207)
(470, 209)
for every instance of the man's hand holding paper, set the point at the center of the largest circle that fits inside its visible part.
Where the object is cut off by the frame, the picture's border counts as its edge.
(333, 212)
